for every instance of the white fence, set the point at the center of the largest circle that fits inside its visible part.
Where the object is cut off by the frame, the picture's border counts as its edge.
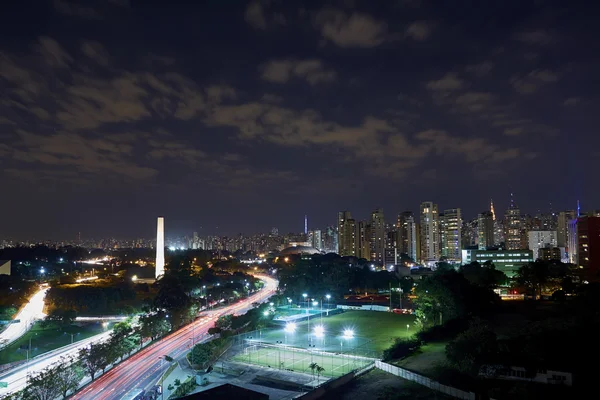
(423, 380)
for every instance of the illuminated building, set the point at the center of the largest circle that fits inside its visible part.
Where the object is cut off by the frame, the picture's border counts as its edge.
(485, 230)
(451, 243)
(588, 246)
(430, 238)
(563, 227)
(507, 261)
(4, 267)
(512, 226)
(363, 238)
(407, 234)
(160, 248)
(346, 234)
(539, 240)
(378, 237)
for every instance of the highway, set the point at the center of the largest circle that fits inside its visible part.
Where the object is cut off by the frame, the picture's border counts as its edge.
(34, 309)
(17, 377)
(143, 369)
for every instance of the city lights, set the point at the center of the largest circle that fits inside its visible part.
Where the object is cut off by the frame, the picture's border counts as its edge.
(348, 333)
(319, 331)
(290, 327)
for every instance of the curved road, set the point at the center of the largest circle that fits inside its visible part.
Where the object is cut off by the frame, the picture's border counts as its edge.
(34, 309)
(138, 370)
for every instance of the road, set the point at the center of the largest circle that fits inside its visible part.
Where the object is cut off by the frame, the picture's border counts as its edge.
(34, 309)
(143, 369)
(17, 377)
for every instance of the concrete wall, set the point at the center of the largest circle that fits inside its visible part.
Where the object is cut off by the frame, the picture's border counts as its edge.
(425, 381)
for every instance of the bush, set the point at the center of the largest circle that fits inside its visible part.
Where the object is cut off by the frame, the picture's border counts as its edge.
(446, 331)
(401, 348)
(472, 348)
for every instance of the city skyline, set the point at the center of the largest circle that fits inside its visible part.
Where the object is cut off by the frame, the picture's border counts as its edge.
(251, 115)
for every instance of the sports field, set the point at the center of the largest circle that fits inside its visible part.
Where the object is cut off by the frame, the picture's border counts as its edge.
(299, 360)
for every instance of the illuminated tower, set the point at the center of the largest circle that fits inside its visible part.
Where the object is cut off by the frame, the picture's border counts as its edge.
(492, 210)
(160, 248)
(512, 225)
(305, 224)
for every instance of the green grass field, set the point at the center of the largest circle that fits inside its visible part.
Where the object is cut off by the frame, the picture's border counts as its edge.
(379, 327)
(46, 339)
(296, 360)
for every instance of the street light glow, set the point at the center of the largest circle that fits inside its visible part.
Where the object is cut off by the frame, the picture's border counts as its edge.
(290, 327)
(304, 295)
(315, 303)
(328, 296)
(266, 313)
(348, 333)
(319, 331)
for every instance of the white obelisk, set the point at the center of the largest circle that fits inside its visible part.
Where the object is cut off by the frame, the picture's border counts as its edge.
(160, 247)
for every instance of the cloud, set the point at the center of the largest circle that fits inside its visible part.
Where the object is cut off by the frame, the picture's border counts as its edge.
(419, 30)
(355, 30)
(70, 150)
(572, 101)
(76, 10)
(96, 52)
(281, 71)
(513, 131)
(480, 69)
(535, 37)
(448, 82)
(533, 81)
(53, 54)
(255, 15)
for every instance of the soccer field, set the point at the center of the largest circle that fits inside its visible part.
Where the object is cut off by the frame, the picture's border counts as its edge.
(299, 360)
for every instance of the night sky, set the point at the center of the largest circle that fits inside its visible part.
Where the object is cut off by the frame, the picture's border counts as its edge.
(248, 115)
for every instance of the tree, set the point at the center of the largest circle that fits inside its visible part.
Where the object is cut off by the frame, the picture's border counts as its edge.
(224, 322)
(154, 325)
(319, 371)
(93, 359)
(543, 275)
(43, 385)
(62, 318)
(485, 275)
(69, 376)
(313, 366)
(472, 348)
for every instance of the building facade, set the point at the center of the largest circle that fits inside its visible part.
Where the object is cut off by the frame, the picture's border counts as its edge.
(451, 226)
(485, 230)
(430, 238)
(407, 235)
(378, 237)
(346, 234)
(541, 239)
(512, 226)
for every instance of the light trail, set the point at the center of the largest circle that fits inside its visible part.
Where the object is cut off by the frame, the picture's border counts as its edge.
(33, 310)
(139, 370)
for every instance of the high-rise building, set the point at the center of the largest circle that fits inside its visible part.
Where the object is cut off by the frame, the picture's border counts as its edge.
(451, 225)
(588, 247)
(430, 238)
(363, 240)
(512, 226)
(160, 248)
(485, 230)
(562, 230)
(540, 240)
(378, 236)
(407, 235)
(315, 238)
(330, 240)
(346, 234)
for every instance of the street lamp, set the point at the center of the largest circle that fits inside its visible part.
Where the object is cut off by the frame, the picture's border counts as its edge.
(328, 296)
(319, 331)
(289, 302)
(348, 334)
(407, 326)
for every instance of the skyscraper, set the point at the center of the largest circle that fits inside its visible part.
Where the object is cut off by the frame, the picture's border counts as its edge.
(588, 246)
(430, 239)
(540, 240)
(160, 248)
(377, 236)
(485, 230)
(346, 234)
(512, 226)
(363, 240)
(407, 234)
(562, 229)
(452, 241)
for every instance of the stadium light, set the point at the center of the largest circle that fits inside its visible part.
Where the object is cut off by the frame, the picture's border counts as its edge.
(290, 327)
(319, 331)
(266, 313)
(348, 333)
